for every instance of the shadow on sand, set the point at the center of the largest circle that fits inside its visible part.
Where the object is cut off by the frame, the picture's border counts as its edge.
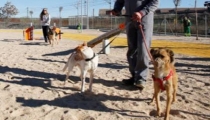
(81, 101)
(62, 53)
(4, 69)
(203, 69)
(46, 60)
(35, 43)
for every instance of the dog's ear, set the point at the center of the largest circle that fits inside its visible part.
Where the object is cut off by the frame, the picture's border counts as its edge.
(171, 54)
(54, 28)
(153, 52)
(84, 44)
(78, 48)
(75, 49)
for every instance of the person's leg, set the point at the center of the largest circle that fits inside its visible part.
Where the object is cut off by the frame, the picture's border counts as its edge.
(131, 32)
(185, 31)
(188, 31)
(142, 64)
(45, 32)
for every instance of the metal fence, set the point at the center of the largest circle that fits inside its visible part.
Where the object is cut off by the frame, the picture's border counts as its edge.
(163, 23)
(22, 23)
(98, 22)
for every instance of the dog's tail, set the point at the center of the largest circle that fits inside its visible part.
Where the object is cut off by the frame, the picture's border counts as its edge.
(68, 62)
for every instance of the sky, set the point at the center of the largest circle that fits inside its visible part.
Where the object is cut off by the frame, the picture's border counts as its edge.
(73, 7)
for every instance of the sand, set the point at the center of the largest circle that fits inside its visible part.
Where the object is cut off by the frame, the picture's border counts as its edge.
(31, 85)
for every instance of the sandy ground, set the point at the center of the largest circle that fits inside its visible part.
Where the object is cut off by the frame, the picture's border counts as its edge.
(31, 85)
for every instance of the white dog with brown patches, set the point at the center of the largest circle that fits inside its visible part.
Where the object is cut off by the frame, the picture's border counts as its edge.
(85, 58)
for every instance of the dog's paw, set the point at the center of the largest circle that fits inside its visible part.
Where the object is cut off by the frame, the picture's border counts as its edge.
(156, 113)
(151, 102)
(81, 92)
(160, 114)
(173, 101)
(88, 92)
(68, 80)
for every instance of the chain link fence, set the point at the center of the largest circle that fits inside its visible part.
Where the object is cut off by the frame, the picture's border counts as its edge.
(23, 23)
(98, 22)
(164, 24)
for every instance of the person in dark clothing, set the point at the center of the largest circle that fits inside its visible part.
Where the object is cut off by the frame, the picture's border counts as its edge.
(79, 27)
(137, 11)
(45, 22)
(186, 25)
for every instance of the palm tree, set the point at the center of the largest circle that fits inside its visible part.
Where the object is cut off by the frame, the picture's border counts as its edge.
(176, 3)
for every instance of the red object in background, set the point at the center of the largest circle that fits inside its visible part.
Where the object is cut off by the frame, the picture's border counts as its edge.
(31, 33)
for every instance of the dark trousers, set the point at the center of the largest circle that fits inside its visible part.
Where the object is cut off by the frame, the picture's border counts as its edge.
(45, 32)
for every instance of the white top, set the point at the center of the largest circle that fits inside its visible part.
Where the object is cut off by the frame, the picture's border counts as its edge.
(46, 20)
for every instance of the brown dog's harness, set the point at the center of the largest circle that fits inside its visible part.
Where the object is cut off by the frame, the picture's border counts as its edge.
(160, 81)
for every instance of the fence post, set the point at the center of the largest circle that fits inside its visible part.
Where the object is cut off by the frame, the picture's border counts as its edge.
(206, 25)
(165, 24)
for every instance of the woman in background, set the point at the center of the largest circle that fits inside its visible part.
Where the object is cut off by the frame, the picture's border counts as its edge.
(45, 21)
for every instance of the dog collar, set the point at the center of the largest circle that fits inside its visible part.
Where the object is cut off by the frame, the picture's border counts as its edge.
(89, 59)
(161, 80)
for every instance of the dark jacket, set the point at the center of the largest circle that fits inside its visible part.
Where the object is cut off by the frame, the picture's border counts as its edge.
(187, 23)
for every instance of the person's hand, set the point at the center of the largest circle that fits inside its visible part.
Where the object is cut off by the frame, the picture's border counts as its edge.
(112, 12)
(137, 17)
(115, 13)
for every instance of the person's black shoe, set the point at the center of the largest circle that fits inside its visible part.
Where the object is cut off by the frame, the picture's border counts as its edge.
(129, 81)
(140, 83)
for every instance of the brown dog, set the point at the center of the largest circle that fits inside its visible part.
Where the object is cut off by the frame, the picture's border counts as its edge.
(165, 78)
(52, 36)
